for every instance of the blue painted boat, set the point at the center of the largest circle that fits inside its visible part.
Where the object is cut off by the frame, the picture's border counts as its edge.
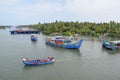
(34, 38)
(75, 45)
(112, 45)
(68, 43)
(38, 61)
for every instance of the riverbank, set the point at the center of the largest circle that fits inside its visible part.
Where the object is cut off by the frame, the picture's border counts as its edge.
(112, 29)
(4, 27)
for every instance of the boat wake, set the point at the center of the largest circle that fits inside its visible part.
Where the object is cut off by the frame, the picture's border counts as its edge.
(64, 60)
(59, 60)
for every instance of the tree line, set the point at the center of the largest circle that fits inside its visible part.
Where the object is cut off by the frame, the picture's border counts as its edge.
(83, 28)
(3, 27)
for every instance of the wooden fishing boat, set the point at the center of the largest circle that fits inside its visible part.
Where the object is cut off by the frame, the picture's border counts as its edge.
(43, 61)
(111, 45)
(34, 38)
(63, 42)
(19, 31)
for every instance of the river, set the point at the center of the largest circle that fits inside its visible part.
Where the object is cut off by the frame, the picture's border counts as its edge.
(90, 62)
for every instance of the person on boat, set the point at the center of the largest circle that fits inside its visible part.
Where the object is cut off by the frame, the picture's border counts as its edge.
(52, 58)
(38, 60)
(48, 59)
(71, 37)
(43, 60)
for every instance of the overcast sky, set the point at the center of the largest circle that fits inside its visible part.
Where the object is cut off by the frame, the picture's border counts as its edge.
(16, 12)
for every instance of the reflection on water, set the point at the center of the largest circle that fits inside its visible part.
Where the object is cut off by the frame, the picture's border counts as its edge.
(34, 42)
(74, 51)
(110, 52)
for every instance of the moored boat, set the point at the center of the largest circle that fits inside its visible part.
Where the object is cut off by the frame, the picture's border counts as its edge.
(19, 31)
(64, 42)
(111, 45)
(34, 38)
(43, 61)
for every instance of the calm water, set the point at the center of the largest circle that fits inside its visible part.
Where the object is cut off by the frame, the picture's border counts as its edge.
(90, 62)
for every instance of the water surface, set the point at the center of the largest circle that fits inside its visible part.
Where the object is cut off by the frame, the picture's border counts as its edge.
(90, 62)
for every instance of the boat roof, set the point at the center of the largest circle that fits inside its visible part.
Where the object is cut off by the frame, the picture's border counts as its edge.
(115, 42)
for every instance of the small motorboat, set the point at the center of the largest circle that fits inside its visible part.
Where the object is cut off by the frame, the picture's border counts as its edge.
(43, 61)
(60, 41)
(34, 38)
(112, 45)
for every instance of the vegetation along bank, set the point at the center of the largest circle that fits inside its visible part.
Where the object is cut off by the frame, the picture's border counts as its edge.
(84, 28)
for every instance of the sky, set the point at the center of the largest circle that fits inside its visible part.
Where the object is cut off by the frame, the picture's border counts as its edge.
(24, 12)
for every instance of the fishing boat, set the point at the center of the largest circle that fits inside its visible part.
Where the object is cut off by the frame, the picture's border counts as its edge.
(112, 45)
(64, 42)
(19, 31)
(34, 37)
(43, 61)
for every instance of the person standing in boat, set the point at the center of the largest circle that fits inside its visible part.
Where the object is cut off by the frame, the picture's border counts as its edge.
(48, 59)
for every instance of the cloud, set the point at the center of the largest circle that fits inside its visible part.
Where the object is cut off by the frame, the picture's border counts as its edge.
(94, 10)
(92, 6)
(24, 11)
(9, 2)
(30, 11)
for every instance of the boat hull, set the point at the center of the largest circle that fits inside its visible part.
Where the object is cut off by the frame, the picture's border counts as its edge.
(76, 45)
(33, 39)
(108, 45)
(35, 62)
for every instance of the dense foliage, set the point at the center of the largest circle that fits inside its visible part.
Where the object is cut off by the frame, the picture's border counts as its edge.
(3, 27)
(84, 28)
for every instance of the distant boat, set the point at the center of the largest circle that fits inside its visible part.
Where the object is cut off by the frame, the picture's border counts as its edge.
(64, 42)
(43, 61)
(34, 38)
(19, 31)
(112, 45)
